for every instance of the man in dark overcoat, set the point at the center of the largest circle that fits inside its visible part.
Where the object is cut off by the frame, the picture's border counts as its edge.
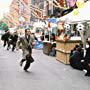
(27, 43)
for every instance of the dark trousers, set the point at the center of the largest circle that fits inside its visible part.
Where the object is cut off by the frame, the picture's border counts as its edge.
(86, 66)
(5, 42)
(27, 65)
(13, 45)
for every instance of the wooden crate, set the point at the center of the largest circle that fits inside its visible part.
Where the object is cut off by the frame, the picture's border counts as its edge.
(63, 50)
(47, 46)
(63, 57)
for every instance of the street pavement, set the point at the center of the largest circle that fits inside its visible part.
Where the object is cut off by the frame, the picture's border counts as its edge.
(46, 73)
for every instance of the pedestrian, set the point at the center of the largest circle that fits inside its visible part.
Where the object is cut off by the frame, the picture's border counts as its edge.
(5, 37)
(13, 41)
(27, 44)
(87, 60)
(75, 59)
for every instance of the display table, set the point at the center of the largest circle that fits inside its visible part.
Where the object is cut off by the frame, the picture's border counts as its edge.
(63, 49)
(47, 46)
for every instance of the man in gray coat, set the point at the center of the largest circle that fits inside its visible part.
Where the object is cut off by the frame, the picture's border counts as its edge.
(27, 45)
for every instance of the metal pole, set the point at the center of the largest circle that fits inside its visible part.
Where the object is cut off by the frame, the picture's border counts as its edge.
(52, 6)
(29, 4)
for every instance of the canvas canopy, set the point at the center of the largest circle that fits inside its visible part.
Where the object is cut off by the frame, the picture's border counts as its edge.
(83, 14)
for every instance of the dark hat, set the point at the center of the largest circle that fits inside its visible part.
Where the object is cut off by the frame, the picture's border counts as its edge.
(27, 30)
(76, 46)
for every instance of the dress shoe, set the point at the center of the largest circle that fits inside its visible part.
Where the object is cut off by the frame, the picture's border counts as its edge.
(87, 74)
(25, 70)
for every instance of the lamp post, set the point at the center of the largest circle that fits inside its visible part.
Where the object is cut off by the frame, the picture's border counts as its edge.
(51, 6)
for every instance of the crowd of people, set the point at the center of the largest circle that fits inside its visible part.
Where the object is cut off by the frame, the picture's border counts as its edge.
(80, 60)
(10, 39)
(24, 42)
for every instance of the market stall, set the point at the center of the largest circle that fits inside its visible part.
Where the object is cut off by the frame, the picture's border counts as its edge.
(49, 43)
(77, 16)
(47, 47)
(64, 48)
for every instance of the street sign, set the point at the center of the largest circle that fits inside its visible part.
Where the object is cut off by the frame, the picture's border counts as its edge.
(52, 20)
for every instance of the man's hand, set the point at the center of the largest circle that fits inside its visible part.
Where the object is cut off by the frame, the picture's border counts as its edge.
(89, 64)
(82, 60)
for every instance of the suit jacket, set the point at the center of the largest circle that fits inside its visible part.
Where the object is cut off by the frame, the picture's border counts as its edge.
(87, 56)
(24, 43)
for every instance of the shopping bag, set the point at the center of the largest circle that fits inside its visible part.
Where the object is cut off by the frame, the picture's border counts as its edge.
(30, 58)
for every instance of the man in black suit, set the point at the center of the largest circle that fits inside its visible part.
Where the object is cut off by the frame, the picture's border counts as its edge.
(13, 41)
(5, 37)
(87, 61)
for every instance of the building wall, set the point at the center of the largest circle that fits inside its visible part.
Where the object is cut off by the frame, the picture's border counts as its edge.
(14, 12)
(37, 6)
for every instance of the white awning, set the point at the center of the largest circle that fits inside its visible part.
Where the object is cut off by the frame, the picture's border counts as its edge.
(83, 14)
